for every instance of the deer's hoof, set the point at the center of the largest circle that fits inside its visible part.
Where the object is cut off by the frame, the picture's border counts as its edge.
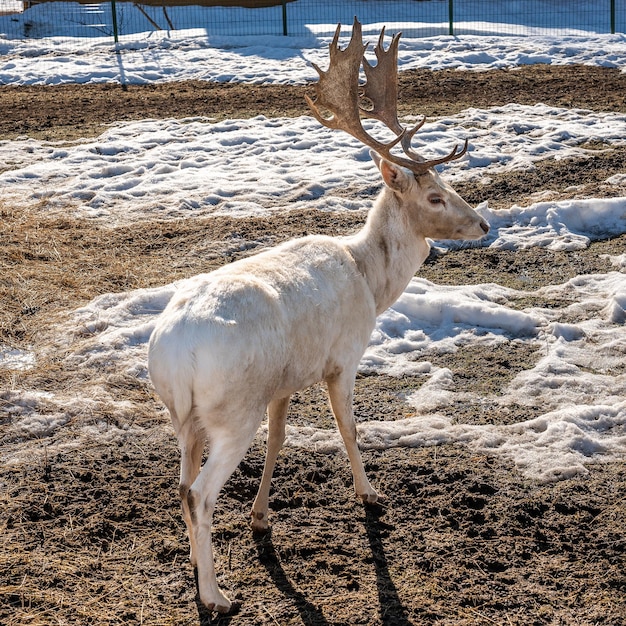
(223, 606)
(217, 602)
(259, 523)
(370, 498)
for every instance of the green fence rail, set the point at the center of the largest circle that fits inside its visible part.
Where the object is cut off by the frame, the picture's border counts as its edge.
(135, 21)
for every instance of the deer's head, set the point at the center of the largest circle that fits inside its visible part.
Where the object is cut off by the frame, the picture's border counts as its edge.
(432, 207)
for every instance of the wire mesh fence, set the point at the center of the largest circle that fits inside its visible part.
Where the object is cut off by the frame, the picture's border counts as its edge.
(125, 21)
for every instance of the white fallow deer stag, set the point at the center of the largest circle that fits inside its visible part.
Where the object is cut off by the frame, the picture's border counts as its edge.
(239, 341)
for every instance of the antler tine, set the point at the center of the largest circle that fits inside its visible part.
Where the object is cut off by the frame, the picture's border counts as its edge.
(422, 163)
(406, 142)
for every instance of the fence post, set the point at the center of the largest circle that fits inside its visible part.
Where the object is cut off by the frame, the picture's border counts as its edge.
(284, 3)
(612, 17)
(114, 16)
(451, 17)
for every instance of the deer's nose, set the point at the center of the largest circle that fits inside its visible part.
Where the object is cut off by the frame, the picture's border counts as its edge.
(484, 226)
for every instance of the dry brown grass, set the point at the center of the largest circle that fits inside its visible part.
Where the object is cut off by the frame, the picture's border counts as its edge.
(55, 264)
(114, 578)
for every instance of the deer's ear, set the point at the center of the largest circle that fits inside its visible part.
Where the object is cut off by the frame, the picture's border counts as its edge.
(395, 177)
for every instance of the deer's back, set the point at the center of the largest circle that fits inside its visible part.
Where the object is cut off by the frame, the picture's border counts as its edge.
(273, 323)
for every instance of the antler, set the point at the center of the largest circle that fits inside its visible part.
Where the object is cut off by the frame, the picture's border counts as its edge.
(338, 92)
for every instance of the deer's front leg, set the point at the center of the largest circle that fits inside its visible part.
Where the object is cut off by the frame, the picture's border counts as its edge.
(340, 392)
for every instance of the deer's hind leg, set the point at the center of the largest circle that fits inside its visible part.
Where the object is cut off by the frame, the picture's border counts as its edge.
(227, 446)
(191, 444)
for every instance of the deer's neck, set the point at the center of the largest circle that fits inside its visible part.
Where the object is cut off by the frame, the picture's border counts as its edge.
(388, 250)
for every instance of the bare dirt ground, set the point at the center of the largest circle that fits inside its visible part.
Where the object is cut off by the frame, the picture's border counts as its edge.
(94, 535)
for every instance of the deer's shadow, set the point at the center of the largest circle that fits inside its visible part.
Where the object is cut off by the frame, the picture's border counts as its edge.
(309, 613)
(392, 612)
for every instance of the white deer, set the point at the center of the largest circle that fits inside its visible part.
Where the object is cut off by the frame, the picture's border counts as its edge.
(242, 339)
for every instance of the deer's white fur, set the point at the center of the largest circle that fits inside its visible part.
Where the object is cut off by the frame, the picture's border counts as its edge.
(242, 339)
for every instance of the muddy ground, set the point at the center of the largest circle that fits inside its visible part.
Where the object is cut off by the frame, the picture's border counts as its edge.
(94, 535)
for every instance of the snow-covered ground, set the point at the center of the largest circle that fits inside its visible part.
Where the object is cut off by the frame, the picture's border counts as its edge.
(173, 168)
(178, 168)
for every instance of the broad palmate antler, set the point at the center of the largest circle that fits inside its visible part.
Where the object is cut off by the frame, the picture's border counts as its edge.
(338, 92)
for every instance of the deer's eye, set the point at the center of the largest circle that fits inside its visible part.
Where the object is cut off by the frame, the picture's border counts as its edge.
(435, 199)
